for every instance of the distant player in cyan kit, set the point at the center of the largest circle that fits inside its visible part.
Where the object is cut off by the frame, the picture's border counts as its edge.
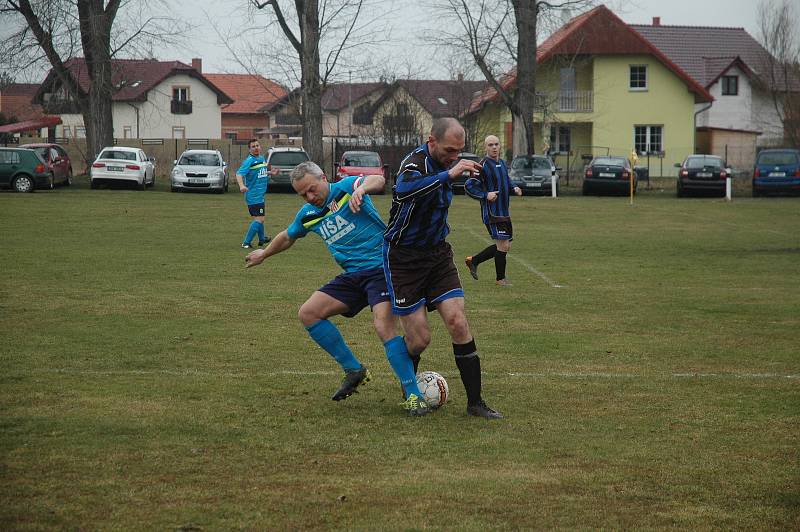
(253, 178)
(343, 215)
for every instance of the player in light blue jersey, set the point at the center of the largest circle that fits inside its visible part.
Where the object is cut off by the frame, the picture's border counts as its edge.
(343, 215)
(253, 178)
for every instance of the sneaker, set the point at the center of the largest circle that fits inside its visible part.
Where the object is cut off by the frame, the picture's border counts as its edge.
(246, 246)
(352, 380)
(480, 409)
(473, 268)
(264, 242)
(414, 406)
(503, 282)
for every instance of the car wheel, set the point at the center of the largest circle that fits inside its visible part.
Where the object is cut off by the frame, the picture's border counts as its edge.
(68, 181)
(23, 183)
(756, 193)
(153, 182)
(92, 183)
(143, 186)
(51, 182)
(226, 186)
(585, 190)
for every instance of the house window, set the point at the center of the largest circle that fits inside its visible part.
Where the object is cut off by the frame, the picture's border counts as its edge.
(402, 109)
(67, 132)
(230, 135)
(178, 132)
(648, 139)
(80, 132)
(638, 78)
(127, 132)
(730, 85)
(560, 139)
(180, 94)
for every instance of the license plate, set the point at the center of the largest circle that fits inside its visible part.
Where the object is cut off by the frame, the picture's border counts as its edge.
(197, 181)
(115, 168)
(703, 174)
(777, 174)
(534, 185)
(606, 174)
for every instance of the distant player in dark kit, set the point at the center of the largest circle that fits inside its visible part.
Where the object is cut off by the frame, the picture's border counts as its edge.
(418, 261)
(343, 215)
(253, 178)
(493, 188)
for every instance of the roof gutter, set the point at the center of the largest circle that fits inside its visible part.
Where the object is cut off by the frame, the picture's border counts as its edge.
(694, 129)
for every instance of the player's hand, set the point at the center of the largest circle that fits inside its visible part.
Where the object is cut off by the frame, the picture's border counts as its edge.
(518, 191)
(356, 199)
(274, 171)
(243, 189)
(491, 196)
(464, 165)
(254, 258)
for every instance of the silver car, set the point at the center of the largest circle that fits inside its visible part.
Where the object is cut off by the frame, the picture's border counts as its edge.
(534, 174)
(200, 170)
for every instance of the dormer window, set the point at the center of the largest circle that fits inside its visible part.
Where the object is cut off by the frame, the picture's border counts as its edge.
(730, 85)
(180, 94)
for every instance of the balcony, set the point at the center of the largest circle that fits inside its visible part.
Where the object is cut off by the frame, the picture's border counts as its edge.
(565, 101)
(181, 107)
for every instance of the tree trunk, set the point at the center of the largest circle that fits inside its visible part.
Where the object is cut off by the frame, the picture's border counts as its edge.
(525, 94)
(310, 83)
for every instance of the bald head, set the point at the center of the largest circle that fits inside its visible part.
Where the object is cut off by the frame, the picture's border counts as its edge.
(492, 146)
(444, 126)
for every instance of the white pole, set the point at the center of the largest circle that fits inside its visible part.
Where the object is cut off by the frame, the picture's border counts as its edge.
(728, 188)
(554, 186)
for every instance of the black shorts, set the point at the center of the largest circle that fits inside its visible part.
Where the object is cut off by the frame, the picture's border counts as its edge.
(417, 276)
(501, 230)
(257, 209)
(358, 289)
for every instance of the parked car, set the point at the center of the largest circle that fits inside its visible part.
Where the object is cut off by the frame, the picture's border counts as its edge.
(122, 164)
(199, 170)
(776, 171)
(458, 183)
(702, 173)
(609, 174)
(284, 159)
(359, 163)
(534, 174)
(23, 170)
(56, 159)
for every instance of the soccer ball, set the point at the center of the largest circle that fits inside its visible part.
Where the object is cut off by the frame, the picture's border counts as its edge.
(433, 388)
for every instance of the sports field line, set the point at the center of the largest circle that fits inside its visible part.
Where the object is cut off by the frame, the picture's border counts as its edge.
(514, 374)
(524, 264)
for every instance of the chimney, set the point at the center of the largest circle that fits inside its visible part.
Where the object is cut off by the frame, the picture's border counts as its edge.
(656, 21)
(460, 76)
(197, 64)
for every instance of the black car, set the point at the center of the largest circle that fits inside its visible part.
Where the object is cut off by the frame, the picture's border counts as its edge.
(534, 174)
(458, 183)
(24, 170)
(609, 174)
(702, 173)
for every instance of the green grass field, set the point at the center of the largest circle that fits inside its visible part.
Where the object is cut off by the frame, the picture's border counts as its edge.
(647, 359)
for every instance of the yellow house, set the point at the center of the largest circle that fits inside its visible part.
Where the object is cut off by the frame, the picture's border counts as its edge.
(602, 88)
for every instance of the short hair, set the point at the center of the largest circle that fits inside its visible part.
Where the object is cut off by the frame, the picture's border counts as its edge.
(249, 142)
(305, 168)
(441, 126)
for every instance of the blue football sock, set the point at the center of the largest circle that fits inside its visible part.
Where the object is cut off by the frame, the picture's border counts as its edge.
(330, 339)
(260, 231)
(397, 353)
(251, 232)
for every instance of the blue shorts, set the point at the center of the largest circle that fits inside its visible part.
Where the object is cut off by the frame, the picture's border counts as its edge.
(358, 289)
(256, 209)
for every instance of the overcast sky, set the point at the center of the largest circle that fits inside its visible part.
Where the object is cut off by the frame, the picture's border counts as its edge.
(405, 49)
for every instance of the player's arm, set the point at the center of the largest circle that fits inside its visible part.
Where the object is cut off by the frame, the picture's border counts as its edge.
(475, 187)
(240, 180)
(280, 243)
(370, 184)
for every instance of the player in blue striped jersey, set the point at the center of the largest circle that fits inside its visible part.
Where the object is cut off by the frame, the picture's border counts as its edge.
(343, 216)
(253, 178)
(493, 188)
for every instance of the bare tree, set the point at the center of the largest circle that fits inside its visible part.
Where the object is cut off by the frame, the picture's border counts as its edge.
(502, 40)
(778, 21)
(55, 31)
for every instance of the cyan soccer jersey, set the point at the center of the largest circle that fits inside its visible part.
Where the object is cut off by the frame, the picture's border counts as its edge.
(354, 239)
(256, 177)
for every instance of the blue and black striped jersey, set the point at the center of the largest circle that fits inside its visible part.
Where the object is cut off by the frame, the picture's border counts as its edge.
(420, 199)
(493, 178)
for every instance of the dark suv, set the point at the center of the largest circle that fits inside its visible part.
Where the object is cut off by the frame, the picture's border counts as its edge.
(776, 171)
(284, 159)
(23, 170)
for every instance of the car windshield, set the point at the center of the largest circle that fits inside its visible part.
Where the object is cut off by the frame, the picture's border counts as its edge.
(700, 162)
(199, 159)
(288, 158)
(525, 163)
(362, 159)
(118, 154)
(777, 158)
(610, 161)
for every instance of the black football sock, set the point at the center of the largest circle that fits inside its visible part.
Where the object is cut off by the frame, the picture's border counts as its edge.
(469, 365)
(484, 255)
(500, 264)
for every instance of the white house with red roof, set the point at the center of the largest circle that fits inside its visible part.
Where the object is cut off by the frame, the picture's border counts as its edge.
(154, 99)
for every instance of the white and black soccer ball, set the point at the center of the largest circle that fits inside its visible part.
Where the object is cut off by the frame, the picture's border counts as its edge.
(433, 388)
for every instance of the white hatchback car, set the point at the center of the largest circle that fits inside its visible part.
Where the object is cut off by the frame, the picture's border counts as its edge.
(119, 163)
(200, 170)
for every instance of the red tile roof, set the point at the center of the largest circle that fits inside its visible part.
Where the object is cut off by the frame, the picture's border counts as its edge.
(340, 95)
(443, 97)
(16, 101)
(250, 92)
